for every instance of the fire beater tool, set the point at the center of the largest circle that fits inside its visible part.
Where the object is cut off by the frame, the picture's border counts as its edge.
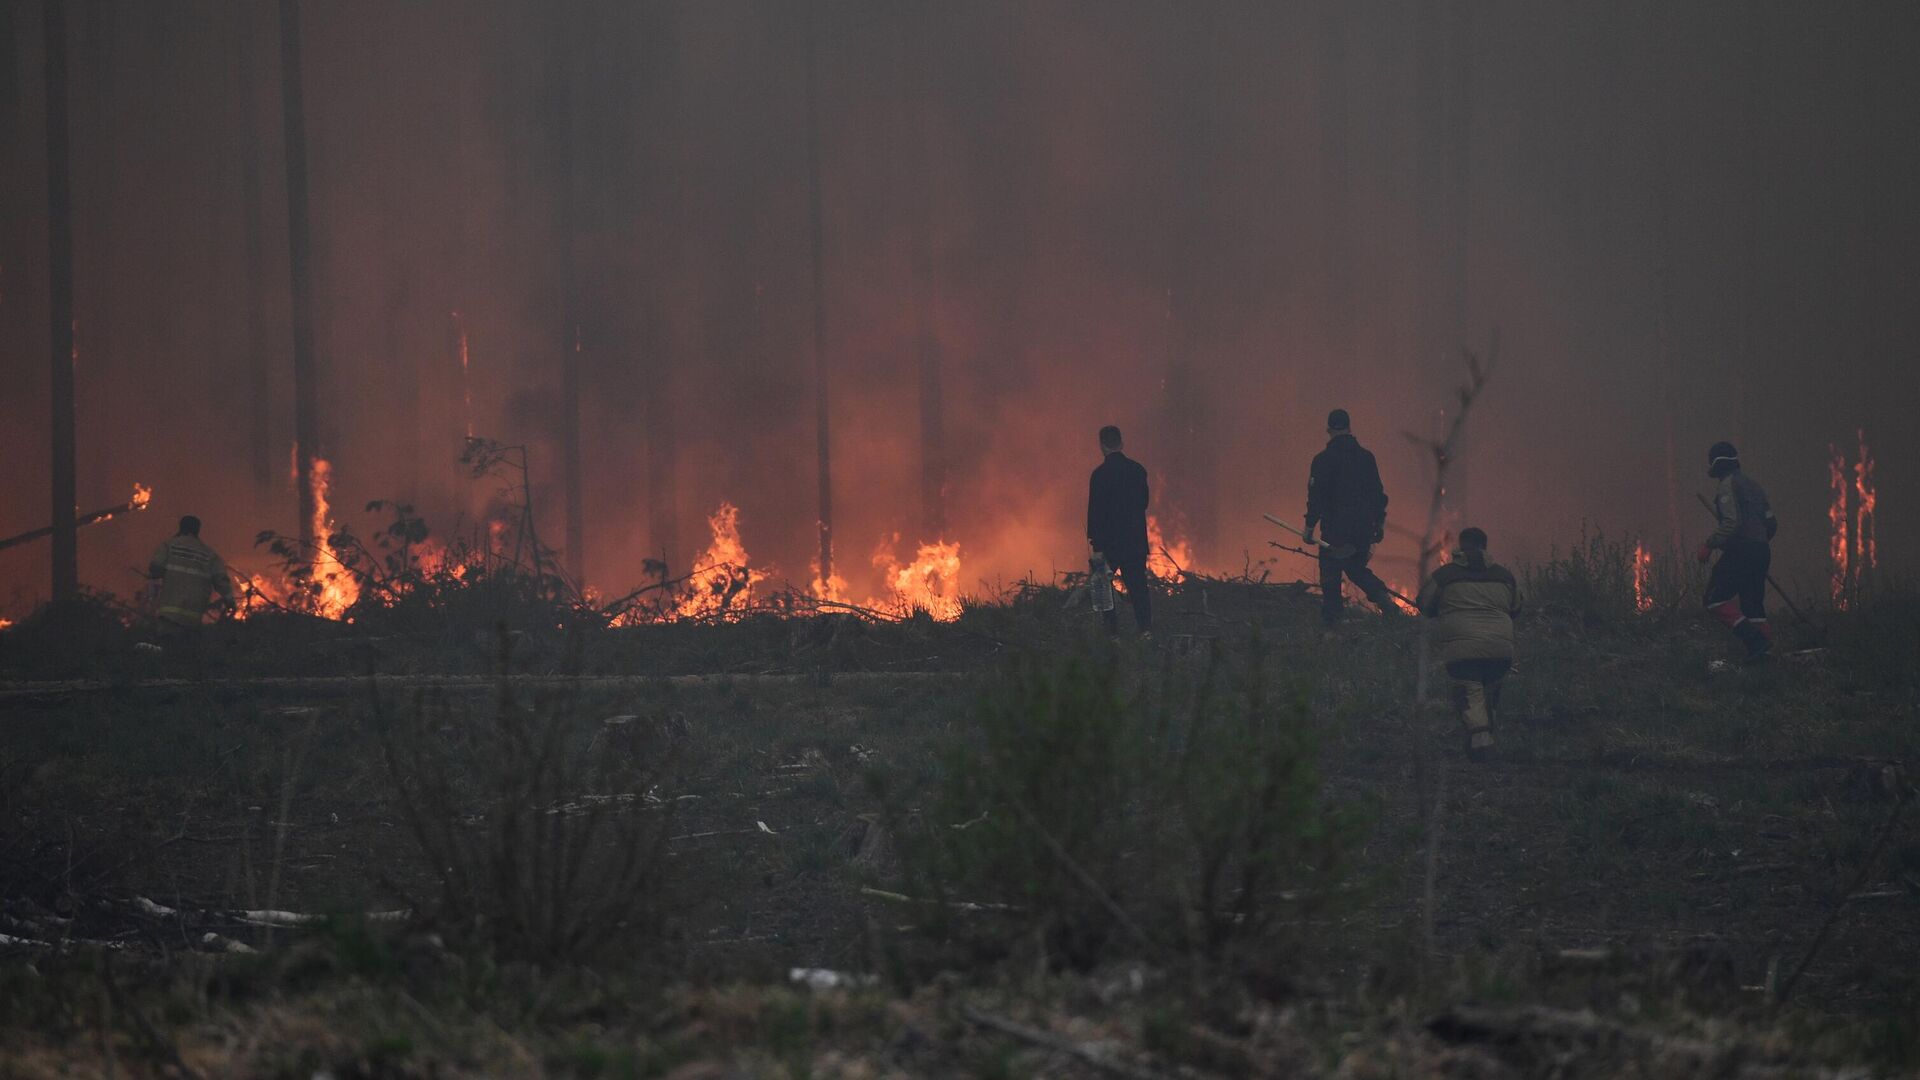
(1344, 551)
(1788, 600)
(1335, 552)
(141, 496)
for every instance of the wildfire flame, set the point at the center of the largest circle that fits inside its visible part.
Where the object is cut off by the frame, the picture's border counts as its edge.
(1838, 548)
(1642, 577)
(142, 495)
(725, 578)
(1166, 559)
(335, 588)
(1865, 497)
(930, 583)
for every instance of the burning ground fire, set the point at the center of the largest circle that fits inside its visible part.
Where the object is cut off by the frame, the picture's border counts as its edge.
(1642, 577)
(722, 584)
(1851, 544)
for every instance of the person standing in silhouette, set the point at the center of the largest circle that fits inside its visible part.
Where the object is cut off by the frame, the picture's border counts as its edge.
(1117, 526)
(1348, 506)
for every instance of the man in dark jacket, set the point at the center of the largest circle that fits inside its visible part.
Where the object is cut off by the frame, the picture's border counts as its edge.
(1347, 503)
(1475, 602)
(1117, 525)
(1737, 589)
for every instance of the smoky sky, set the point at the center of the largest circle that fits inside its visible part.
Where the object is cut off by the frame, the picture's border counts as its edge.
(1208, 223)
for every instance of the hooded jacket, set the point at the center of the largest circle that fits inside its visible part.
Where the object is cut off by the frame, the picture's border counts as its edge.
(189, 573)
(1476, 602)
(1344, 494)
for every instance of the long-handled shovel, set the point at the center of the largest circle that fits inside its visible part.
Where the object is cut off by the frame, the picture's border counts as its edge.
(1782, 593)
(1341, 552)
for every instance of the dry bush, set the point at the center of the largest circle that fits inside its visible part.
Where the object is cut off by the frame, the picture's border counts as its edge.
(1094, 814)
(545, 845)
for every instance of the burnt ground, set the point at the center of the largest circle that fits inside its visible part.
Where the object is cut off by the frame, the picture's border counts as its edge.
(1643, 808)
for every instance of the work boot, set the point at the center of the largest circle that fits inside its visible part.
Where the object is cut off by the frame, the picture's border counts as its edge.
(1480, 745)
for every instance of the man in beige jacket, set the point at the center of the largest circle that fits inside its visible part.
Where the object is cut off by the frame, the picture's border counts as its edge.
(1475, 602)
(189, 574)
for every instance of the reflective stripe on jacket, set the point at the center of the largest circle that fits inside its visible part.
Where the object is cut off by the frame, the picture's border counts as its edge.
(1742, 510)
(1476, 606)
(189, 573)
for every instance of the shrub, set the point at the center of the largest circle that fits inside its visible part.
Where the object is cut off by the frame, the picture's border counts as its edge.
(545, 845)
(1182, 817)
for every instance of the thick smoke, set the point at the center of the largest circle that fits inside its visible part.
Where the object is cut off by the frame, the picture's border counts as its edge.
(1208, 223)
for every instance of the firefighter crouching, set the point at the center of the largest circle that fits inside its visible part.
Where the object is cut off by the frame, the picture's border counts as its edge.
(189, 574)
(1737, 589)
(1475, 602)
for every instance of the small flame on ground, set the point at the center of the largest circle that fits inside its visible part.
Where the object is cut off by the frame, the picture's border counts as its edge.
(336, 589)
(1839, 548)
(723, 578)
(930, 583)
(1168, 560)
(1642, 577)
(1865, 498)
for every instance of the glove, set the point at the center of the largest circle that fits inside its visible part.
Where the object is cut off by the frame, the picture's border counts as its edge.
(1307, 537)
(1705, 553)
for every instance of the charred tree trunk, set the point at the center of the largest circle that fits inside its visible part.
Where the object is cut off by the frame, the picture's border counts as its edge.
(66, 559)
(253, 224)
(925, 298)
(571, 346)
(306, 425)
(822, 417)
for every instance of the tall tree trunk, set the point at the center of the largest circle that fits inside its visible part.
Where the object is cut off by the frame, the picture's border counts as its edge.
(306, 424)
(823, 442)
(253, 223)
(915, 59)
(571, 344)
(1336, 179)
(66, 559)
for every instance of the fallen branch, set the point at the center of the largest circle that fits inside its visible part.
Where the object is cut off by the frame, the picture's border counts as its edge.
(1082, 1052)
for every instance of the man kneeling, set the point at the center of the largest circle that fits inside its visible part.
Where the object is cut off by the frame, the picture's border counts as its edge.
(1476, 602)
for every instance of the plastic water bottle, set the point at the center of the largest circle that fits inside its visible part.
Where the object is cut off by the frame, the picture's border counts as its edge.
(1100, 580)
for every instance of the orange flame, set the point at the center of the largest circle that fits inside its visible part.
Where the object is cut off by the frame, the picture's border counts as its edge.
(930, 583)
(1838, 547)
(1169, 560)
(142, 495)
(1642, 577)
(1865, 498)
(723, 580)
(335, 588)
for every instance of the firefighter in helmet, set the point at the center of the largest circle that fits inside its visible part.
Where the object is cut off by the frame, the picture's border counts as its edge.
(1743, 534)
(188, 574)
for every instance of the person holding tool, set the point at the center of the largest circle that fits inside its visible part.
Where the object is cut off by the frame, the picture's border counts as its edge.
(1347, 504)
(1744, 527)
(1117, 527)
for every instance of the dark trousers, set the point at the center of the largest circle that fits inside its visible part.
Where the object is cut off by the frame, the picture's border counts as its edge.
(1133, 574)
(1737, 592)
(1354, 567)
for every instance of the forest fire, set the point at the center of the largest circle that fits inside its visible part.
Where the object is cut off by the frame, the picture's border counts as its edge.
(1166, 560)
(930, 583)
(722, 579)
(1642, 577)
(1865, 500)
